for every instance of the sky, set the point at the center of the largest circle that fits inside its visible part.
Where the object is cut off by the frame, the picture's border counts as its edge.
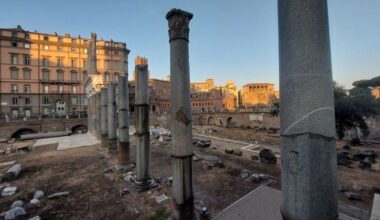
(229, 39)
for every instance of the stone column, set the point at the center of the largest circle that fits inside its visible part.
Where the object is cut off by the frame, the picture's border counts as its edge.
(307, 121)
(97, 115)
(89, 116)
(123, 114)
(143, 177)
(180, 114)
(103, 118)
(111, 119)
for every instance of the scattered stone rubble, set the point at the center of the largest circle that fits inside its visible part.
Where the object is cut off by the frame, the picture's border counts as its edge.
(267, 156)
(257, 178)
(365, 158)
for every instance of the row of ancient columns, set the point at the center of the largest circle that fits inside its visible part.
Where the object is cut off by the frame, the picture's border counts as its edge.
(307, 114)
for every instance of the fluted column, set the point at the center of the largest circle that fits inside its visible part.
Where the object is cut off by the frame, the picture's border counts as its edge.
(103, 119)
(180, 110)
(123, 114)
(308, 151)
(111, 119)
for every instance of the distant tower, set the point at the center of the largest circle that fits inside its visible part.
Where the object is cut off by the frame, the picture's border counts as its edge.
(140, 61)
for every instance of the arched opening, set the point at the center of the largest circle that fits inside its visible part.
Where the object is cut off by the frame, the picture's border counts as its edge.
(211, 121)
(230, 123)
(79, 129)
(22, 131)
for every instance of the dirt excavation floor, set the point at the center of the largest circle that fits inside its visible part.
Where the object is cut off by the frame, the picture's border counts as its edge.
(96, 186)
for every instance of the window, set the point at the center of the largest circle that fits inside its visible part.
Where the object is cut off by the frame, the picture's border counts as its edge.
(74, 100)
(97, 51)
(27, 74)
(74, 76)
(117, 77)
(116, 64)
(14, 59)
(14, 44)
(116, 44)
(46, 47)
(60, 75)
(85, 64)
(106, 77)
(14, 34)
(116, 52)
(46, 38)
(60, 88)
(107, 64)
(27, 60)
(26, 45)
(84, 75)
(73, 49)
(59, 62)
(14, 73)
(45, 75)
(73, 63)
(74, 41)
(46, 88)
(46, 100)
(74, 89)
(27, 88)
(107, 44)
(85, 41)
(60, 39)
(27, 101)
(14, 101)
(27, 36)
(45, 61)
(59, 48)
(85, 50)
(14, 88)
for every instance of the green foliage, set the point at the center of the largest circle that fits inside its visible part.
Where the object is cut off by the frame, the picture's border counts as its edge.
(367, 83)
(160, 214)
(352, 107)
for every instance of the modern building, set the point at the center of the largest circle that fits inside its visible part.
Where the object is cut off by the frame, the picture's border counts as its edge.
(257, 94)
(41, 75)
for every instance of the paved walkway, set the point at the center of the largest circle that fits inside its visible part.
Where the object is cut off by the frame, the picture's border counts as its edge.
(67, 142)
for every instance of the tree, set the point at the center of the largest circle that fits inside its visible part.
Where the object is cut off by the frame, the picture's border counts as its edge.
(352, 107)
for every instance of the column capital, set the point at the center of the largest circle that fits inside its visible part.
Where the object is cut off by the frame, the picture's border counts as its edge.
(178, 24)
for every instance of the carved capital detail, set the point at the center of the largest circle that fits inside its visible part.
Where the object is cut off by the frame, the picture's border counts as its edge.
(178, 24)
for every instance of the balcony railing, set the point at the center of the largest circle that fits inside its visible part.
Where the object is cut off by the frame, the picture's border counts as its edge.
(49, 81)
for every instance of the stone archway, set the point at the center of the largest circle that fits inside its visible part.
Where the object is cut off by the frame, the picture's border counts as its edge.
(79, 129)
(211, 121)
(22, 131)
(230, 123)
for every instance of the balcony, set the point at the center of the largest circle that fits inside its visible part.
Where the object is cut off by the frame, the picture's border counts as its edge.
(64, 82)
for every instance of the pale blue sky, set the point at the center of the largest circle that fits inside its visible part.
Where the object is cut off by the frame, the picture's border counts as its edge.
(228, 39)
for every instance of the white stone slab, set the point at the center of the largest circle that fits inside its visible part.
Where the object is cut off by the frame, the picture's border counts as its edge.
(375, 215)
(68, 142)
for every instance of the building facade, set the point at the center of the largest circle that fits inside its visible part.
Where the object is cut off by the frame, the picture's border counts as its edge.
(257, 94)
(41, 75)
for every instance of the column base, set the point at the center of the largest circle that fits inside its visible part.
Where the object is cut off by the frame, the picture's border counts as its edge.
(184, 211)
(104, 140)
(142, 186)
(112, 146)
(124, 152)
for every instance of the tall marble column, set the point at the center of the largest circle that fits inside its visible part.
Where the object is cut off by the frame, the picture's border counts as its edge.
(111, 119)
(103, 118)
(180, 114)
(123, 114)
(97, 115)
(143, 177)
(307, 121)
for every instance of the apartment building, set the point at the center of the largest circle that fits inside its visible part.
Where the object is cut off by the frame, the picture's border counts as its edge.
(41, 75)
